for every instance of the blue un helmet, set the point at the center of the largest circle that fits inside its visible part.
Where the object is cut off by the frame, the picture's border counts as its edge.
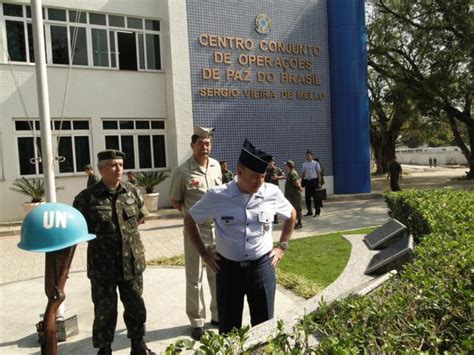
(53, 226)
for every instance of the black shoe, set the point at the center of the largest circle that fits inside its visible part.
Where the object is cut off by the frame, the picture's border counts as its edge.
(139, 348)
(197, 333)
(298, 225)
(309, 213)
(214, 322)
(105, 350)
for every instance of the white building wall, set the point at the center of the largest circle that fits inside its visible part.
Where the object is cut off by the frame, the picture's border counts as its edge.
(96, 93)
(421, 156)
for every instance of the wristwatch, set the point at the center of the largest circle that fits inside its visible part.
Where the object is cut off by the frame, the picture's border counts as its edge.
(283, 245)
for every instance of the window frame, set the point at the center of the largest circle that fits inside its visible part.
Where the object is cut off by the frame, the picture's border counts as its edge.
(135, 133)
(141, 67)
(55, 133)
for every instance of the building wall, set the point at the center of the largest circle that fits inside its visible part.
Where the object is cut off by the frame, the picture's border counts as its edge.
(282, 126)
(421, 156)
(96, 93)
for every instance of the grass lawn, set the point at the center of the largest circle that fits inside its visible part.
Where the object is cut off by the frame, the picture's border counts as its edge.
(309, 265)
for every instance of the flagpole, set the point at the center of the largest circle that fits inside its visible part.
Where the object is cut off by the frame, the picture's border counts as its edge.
(43, 101)
(52, 274)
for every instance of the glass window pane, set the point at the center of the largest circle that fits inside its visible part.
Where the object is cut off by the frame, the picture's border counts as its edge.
(97, 19)
(16, 41)
(126, 125)
(13, 10)
(59, 45)
(31, 45)
(65, 126)
(153, 51)
(28, 12)
(116, 21)
(56, 14)
(100, 48)
(78, 45)
(112, 142)
(82, 150)
(127, 148)
(26, 151)
(80, 124)
(142, 124)
(113, 59)
(109, 124)
(141, 51)
(23, 126)
(75, 17)
(65, 150)
(159, 158)
(158, 124)
(144, 152)
(152, 25)
(133, 22)
(38, 153)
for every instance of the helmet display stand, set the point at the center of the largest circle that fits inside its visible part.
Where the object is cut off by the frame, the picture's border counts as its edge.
(56, 229)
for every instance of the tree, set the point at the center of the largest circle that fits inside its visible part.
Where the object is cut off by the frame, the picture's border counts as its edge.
(428, 49)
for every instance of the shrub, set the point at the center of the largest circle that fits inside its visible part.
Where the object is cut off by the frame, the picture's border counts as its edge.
(428, 306)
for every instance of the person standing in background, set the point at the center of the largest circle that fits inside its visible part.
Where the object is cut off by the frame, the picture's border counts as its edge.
(293, 190)
(394, 173)
(311, 180)
(272, 175)
(91, 177)
(189, 183)
(227, 175)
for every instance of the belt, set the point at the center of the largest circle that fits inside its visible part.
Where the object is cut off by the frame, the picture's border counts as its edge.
(246, 263)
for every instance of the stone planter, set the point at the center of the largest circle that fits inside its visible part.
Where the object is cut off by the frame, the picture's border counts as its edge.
(151, 201)
(28, 206)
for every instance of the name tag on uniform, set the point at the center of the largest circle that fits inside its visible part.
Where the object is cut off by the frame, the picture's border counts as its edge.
(227, 219)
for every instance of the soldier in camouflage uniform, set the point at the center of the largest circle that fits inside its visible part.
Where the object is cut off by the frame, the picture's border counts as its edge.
(115, 259)
(293, 190)
(272, 175)
(227, 175)
(92, 178)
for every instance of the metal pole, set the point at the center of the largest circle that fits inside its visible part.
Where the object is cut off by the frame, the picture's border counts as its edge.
(43, 101)
(49, 342)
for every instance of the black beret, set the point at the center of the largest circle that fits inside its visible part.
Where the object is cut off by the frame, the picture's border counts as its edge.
(110, 154)
(254, 159)
(87, 166)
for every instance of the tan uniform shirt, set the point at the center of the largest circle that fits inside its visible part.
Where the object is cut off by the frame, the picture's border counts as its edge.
(189, 184)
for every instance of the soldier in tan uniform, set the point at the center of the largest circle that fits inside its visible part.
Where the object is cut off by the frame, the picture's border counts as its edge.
(190, 181)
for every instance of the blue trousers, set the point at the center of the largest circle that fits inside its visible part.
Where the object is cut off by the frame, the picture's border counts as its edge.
(254, 279)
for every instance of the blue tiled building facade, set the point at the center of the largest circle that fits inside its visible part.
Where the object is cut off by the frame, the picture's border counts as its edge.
(287, 75)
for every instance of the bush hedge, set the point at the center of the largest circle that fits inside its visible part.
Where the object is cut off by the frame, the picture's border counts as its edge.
(428, 306)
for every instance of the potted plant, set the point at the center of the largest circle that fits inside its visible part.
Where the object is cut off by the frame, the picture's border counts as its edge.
(148, 180)
(33, 188)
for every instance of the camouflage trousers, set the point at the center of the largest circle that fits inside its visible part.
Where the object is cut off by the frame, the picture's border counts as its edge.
(104, 296)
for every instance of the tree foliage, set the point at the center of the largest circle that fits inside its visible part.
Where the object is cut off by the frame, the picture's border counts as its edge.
(426, 48)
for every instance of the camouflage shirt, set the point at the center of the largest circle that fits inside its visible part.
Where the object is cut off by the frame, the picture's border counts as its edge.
(227, 176)
(92, 179)
(113, 216)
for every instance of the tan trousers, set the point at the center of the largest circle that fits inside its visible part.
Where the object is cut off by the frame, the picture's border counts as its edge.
(194, 268)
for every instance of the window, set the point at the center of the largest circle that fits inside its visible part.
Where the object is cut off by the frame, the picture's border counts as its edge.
(145, 148)
(110, 41)
(70, 140)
